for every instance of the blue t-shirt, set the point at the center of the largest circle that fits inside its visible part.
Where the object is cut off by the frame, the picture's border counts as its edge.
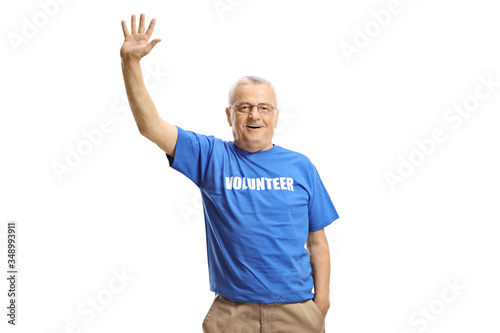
(259, 208)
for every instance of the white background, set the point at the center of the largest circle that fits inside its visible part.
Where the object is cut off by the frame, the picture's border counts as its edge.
(123, 208)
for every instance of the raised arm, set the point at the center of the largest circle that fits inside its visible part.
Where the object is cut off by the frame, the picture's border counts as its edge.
(146, 116)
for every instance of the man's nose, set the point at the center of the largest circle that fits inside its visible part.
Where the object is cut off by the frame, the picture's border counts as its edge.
(254, 113)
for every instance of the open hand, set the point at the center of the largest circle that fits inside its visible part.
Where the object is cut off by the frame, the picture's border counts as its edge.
(136, 43)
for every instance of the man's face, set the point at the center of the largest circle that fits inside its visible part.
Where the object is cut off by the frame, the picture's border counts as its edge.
(245, 137)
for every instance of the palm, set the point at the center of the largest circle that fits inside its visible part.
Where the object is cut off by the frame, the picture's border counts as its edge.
(136, 43)
(134, 46)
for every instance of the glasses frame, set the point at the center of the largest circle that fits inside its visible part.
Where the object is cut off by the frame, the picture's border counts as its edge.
(251, 109)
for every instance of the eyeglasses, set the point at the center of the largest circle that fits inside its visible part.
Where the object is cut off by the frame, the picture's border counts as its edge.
(263, 108)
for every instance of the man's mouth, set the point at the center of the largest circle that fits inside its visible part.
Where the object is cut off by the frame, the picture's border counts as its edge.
(253, 127)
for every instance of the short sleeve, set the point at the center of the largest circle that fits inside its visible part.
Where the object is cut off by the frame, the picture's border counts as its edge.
(192, 155)
(322, 212)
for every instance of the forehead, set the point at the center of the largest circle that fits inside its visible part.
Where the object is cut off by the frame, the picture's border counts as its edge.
(254, 93)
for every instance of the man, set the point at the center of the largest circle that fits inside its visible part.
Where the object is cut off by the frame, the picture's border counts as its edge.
(262, 203)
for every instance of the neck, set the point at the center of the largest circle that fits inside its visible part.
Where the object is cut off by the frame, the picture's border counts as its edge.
(253, 148)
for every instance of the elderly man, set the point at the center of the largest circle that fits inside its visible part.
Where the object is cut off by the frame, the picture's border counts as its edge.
(262, 205)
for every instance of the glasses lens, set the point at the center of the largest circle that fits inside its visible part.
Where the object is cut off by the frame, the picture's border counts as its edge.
(265, 108)
(244, 107)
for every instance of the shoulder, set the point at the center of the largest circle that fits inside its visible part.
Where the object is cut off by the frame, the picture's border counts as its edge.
(294, 155)
(199, 136)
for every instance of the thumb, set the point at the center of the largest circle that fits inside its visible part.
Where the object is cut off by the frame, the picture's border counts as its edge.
(152, 44)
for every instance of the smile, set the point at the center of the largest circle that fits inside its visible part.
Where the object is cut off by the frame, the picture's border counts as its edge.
(254, 127)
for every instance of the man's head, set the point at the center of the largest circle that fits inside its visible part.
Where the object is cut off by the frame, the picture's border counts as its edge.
(252, 131)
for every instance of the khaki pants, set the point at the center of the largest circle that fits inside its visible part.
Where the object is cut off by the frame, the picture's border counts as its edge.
(225, 316)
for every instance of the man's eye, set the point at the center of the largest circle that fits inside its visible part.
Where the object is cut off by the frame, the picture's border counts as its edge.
(244, 107)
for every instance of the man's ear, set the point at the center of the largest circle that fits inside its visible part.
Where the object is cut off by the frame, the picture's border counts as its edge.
(228, 115)
(277, 115)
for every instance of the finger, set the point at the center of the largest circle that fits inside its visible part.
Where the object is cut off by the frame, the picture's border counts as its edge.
(141, 24)
(151, 27)
(125, 29)
(152, 44)
(133, 26)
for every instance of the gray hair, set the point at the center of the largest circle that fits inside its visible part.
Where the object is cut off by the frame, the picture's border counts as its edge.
(250, 79)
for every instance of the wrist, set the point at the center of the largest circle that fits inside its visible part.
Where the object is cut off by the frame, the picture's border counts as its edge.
(324, 298)
(322, 303)
(130, 61)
